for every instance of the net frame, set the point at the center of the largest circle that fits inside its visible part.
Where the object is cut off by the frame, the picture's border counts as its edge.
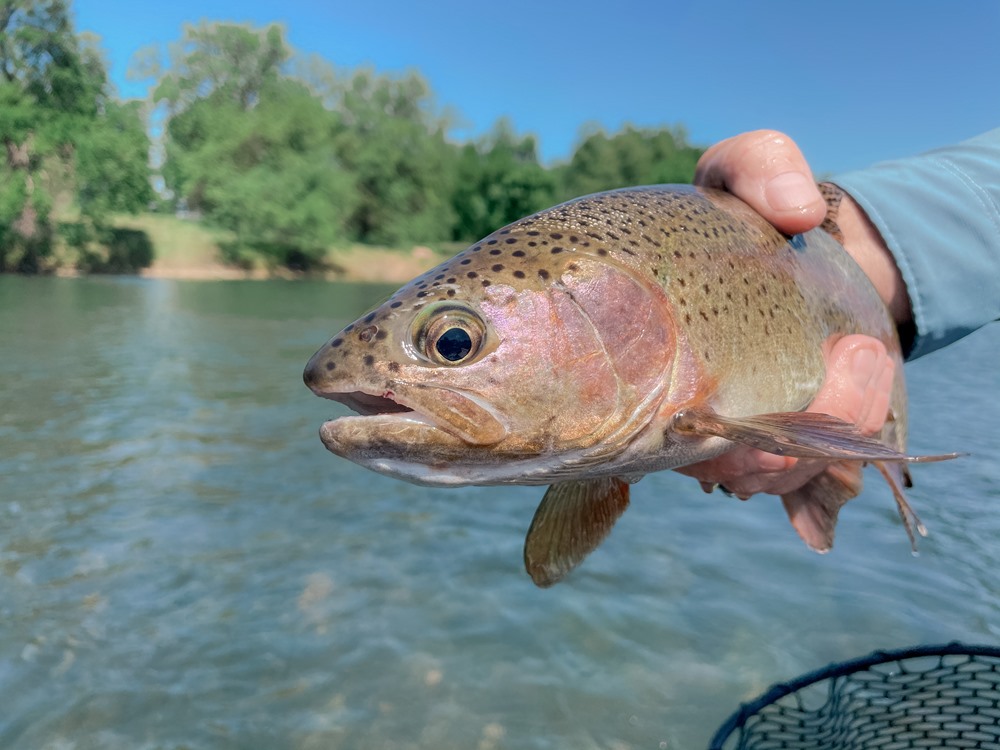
(920, 697)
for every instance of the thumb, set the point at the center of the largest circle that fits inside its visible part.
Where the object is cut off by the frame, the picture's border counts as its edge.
(768, 171)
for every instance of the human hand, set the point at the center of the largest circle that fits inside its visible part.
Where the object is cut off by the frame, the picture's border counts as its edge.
(768, 171)
(857, 388)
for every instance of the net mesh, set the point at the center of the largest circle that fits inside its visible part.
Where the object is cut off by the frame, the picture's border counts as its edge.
(931, 696)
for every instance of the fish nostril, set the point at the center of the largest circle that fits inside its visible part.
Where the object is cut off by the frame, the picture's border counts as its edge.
(312, 376)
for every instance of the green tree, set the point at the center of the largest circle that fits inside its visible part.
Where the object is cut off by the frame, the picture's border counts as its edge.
(57, 117)
(250, 148)
(630, 157)
(227, 61)
(393, 142)
(499, 180)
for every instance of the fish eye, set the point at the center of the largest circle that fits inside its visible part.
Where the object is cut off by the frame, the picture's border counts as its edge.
(449, 335)
(454, 344)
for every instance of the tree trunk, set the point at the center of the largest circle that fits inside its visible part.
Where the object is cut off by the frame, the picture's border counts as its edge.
(19, 159)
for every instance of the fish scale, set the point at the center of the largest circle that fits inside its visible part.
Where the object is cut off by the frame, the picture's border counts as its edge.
(614, 335)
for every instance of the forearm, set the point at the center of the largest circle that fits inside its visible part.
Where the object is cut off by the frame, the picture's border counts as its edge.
(926, 230)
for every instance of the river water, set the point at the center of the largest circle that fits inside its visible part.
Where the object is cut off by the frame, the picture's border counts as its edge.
(183, 565)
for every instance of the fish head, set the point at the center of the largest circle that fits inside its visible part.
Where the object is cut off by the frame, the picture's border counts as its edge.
(504, 364)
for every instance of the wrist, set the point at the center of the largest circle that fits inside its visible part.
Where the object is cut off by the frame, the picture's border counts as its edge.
(864, 243)
(850, 225)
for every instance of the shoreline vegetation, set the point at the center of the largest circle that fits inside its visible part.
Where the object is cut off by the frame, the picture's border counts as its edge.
(185, 249)
(247, 159)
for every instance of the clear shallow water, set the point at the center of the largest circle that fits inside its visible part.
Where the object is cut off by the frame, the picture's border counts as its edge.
(182, 564)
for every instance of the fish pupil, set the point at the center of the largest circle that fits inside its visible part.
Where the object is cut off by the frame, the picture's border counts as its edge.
(454, 344)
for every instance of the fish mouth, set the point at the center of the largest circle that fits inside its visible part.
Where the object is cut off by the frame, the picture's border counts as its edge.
(409, 419)
(368, 404)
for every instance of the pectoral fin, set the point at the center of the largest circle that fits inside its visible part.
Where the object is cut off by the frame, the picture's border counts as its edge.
(800, 434)
(813, 508)
(570, 523)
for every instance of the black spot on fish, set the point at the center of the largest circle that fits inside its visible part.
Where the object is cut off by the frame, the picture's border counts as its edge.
(518, 274)
(335, 343)
(518, 253)
(498, 268)
(369, 360)
(542, 273)
(330, 366)
(510, 240)
(495, 252)
(396, 304)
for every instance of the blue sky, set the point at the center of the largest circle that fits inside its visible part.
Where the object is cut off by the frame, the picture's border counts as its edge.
(852, 81)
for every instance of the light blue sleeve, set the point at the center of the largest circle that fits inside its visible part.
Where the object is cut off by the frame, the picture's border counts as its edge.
(939, 214)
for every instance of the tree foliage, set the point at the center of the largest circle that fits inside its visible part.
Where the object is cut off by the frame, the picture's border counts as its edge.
(251, 149)
(66, 141)
(393, 143)
(499, 180)
(630, 157)
(288, 153)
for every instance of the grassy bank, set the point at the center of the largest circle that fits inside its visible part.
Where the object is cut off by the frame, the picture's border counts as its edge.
(187, 249)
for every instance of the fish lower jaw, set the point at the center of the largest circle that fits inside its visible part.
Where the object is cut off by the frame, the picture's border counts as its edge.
(447, 461)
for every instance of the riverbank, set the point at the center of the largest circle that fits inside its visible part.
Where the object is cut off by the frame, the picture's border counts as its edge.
(357, 264)
(185, 249)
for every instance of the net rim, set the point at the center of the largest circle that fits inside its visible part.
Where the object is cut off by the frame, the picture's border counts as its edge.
(779, 690)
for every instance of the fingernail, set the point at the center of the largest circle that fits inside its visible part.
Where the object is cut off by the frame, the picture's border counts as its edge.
(863, 366)
(790, 191)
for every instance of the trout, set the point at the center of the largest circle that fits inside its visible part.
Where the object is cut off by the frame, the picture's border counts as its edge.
(611, 336)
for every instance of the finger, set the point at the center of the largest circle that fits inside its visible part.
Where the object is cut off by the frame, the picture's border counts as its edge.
(768, 171)
(743, 471)
(858, 386)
